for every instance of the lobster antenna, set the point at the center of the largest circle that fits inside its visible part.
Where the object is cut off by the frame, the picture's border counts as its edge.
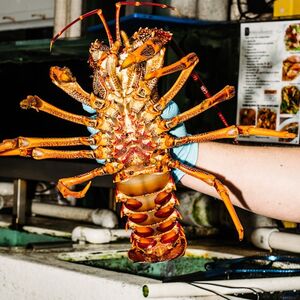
(136, 3)
(86, 15)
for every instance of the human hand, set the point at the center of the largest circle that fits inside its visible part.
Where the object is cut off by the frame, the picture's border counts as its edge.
(187, 154)
(92, 130)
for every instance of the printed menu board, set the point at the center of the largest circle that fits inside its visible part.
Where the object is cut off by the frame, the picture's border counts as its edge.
(269, 78)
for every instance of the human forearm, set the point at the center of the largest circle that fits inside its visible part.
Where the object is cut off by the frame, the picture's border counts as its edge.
(261, 179)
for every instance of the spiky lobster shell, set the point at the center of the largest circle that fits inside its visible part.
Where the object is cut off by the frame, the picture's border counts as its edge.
(144, 185)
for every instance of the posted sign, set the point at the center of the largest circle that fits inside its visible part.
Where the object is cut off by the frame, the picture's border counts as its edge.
(269, 78)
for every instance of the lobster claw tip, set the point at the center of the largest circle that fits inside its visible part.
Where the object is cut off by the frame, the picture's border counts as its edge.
(83, 192)
(67, 192)
(51, 45)
(241, 234)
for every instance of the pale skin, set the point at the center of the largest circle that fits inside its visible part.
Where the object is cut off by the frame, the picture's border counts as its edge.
(262, 179)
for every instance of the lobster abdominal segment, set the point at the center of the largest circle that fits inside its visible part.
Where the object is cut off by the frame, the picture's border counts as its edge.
(156, 233)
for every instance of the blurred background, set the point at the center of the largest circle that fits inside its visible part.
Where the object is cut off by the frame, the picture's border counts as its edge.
(209, 28)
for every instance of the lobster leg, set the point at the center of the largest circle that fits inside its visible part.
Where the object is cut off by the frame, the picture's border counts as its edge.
(64, 184)
(152, 111)
(26, 142)
(42, 153)
(181, 80)
(38, 104)
(220, 188)
(182, 64)
(63, 78)
(231, 132)
(225, 94)
(99, 153)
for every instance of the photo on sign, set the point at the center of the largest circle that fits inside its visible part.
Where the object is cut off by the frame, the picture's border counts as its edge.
(291, 68)
(248, 116)
(290, 125)
(266, 118)
(290, 100)
(292, 37)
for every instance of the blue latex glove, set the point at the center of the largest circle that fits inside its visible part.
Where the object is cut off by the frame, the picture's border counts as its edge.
(186, 154)
(92, 130)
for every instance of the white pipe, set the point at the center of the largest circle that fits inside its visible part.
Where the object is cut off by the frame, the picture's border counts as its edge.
(234, 11)
(98, 235)
(6, 201)
(223, 287)
(271, 238)
(65, 11)
(6, 194)
(60, 13)
(6, 188)
(187, 8)
(75, 10)
(285, 241)
(103, 217)
(214, 10)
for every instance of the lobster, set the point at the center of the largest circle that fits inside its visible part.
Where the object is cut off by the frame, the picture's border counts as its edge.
(130, 135)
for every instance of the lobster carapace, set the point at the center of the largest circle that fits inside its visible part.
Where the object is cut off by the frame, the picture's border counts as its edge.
(130, 135)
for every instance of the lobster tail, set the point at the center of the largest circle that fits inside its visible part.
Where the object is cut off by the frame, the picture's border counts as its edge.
(156, 233)
(158, 251)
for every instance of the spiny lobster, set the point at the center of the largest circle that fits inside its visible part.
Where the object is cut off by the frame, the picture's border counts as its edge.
(130, 134)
